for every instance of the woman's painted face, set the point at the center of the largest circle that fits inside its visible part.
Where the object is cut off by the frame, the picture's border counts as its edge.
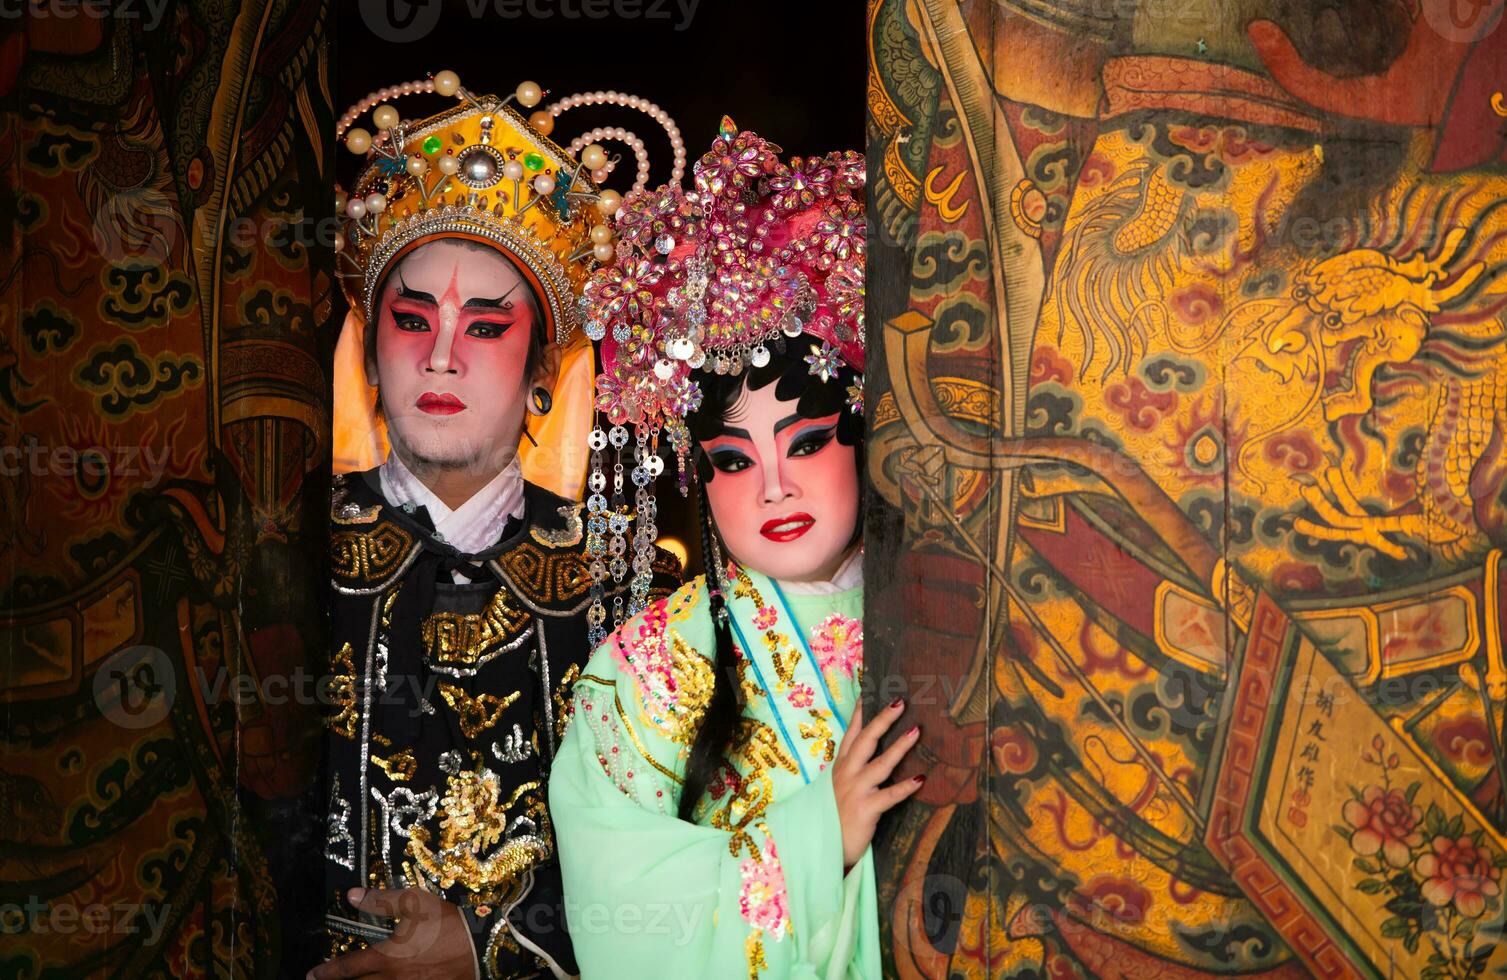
(453, 330)
(784, 492)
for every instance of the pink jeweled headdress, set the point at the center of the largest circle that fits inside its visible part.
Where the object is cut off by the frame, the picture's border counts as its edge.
(760, 253)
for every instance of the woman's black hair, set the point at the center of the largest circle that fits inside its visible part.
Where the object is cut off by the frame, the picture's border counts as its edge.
(815, 399)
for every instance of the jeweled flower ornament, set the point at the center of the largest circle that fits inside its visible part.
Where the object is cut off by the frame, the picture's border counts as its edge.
(760, 253)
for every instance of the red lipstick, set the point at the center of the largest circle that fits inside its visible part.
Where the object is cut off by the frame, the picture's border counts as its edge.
(433, 404)
(783, 529)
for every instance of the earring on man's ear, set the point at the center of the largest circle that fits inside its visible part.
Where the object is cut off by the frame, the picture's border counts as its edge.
(540, 401)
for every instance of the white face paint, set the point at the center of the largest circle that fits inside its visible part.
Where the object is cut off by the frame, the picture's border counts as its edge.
(784, 492)
(454, 325)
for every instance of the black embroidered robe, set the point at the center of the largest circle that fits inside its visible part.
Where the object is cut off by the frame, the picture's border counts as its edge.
(446, 702)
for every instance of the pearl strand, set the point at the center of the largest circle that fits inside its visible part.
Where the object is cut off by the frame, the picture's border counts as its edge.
(374, 99)
(622, 136)
(623, 99)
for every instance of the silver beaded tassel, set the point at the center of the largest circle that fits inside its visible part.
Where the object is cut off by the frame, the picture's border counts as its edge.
(617, 526)
(596, 541)
(607, 528)
(645, 530)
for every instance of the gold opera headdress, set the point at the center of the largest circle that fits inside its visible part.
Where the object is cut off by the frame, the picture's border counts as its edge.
(481, 171)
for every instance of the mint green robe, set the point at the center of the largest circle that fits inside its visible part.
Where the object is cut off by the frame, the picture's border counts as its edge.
(755, 887)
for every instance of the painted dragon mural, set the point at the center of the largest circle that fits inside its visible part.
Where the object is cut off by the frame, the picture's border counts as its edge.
(1189, 443)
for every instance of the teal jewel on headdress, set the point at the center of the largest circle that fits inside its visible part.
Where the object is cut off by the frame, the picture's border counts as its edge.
(561, 201)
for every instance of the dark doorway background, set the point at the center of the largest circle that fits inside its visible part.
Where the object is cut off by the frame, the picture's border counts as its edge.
(793, 71)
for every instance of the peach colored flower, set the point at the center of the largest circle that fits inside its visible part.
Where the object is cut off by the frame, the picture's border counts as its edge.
(1459, 871)
(1384, 822)
(762, 900)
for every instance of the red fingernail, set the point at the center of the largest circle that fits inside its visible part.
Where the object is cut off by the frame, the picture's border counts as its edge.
(897, 702)
(919, 779)
(912, 730)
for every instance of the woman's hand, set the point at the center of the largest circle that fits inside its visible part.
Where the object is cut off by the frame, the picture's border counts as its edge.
(430, 940)
(857, 774)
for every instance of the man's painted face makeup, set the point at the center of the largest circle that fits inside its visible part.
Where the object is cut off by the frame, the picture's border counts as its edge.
(453, 331)
(784, 492)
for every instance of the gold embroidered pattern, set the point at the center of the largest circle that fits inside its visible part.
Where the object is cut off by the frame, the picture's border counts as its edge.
(343, 694)
(756, 752)
(782, 653)
(497, 942)
(476, 714)
(547, 576)
(824, 746)
(693, 688)
(567, 536)
(468, 640)
(564, 703)
(400, 766)
(752, 691)
(473, 821)
(367, 555)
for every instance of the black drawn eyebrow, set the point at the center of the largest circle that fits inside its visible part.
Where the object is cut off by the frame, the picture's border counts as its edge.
(779, 427)
(419, 296)
(787, 422)
(497, 304)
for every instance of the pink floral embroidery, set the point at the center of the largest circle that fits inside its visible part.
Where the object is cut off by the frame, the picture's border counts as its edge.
(801, 696)
(642, 653)
(838, 644)
(766, 617)
(762, 900)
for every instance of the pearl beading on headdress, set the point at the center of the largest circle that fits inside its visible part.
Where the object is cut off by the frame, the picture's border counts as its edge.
(653, 111)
